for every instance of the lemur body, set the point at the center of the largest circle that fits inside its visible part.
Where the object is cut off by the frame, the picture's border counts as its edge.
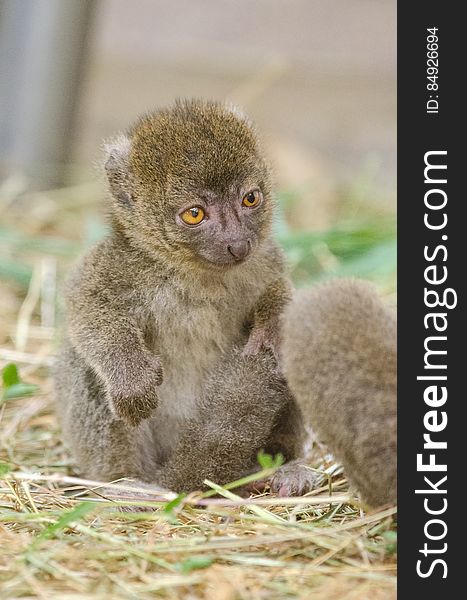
(189, 323)
(168, 372)
(340, 360)
(160, 312)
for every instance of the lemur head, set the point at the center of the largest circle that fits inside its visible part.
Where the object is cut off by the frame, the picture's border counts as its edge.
(191, 182)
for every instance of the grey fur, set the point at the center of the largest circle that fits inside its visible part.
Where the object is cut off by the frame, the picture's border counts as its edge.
(339, 347)
(167, 371)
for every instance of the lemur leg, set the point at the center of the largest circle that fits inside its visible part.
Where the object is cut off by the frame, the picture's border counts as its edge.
(247, 407)
(104, 447)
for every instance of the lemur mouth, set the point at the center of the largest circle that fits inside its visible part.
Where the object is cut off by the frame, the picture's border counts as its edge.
(226, 262)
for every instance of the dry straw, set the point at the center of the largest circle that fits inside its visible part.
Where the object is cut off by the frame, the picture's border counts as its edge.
(62, 537)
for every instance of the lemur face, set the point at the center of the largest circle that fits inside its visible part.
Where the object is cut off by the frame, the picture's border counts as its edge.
(199, 184)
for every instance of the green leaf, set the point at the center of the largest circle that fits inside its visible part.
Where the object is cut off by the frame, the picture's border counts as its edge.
(168, 510)
(361, 248)
(193, 563)
(174, 503)
(68, 517)
(4, 468)
(19, 390)
(10, 375)
(390, 537)
(13, 387)
(267, 461)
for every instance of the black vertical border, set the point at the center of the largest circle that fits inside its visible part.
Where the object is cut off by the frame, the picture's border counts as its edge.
(419, 132)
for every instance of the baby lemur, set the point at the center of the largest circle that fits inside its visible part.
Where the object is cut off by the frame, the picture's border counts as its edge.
(169, 372)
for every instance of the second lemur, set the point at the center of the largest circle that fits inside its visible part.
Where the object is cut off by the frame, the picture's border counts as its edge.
(340, 361)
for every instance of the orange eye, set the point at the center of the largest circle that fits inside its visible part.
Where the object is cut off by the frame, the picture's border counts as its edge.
(252, 199)
(193, 215)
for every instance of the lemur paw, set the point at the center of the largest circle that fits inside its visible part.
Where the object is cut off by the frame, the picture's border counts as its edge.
(134, 397)
(133, 408)
(260, 338)
(293, 479)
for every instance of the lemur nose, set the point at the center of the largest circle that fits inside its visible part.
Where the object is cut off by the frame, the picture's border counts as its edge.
(239, 250)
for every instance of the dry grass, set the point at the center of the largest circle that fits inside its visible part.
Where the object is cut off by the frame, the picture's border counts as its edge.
(60, 539)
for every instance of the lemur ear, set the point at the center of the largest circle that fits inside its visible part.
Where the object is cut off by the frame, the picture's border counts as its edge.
(237, 112)
(116, 165)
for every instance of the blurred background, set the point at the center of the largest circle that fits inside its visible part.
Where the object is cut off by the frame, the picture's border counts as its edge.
(319, 79)
(317, 76)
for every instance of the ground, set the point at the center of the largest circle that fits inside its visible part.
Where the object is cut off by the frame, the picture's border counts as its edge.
(60, 539)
